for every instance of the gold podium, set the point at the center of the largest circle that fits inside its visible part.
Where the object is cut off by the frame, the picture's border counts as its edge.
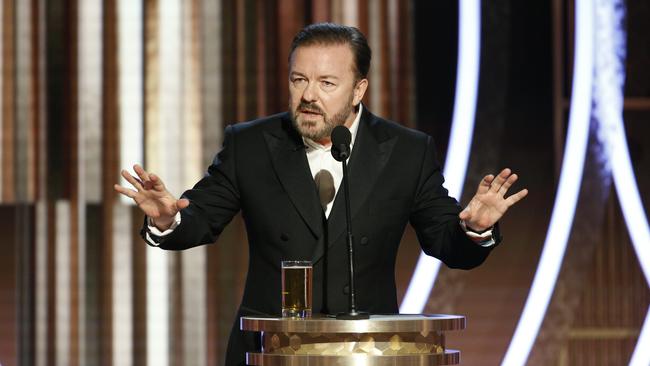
(382, 340)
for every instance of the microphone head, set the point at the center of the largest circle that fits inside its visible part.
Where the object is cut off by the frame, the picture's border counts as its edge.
(341, 135)
(341, 138)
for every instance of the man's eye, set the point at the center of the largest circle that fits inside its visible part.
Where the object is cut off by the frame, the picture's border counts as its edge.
(298, 81)
(327, 84)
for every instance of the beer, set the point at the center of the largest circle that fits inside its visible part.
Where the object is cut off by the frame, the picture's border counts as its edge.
(296, 289)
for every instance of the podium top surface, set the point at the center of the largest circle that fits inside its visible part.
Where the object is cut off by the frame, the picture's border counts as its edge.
(376, 324)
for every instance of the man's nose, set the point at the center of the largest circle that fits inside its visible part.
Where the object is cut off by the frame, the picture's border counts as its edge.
(310, 94)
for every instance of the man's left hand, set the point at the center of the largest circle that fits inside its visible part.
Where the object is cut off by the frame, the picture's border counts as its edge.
(489, 203)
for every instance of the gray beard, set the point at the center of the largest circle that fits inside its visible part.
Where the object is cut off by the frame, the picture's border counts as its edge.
(329, 123)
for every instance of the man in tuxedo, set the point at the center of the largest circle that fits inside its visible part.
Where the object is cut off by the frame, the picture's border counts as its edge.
(279, 172)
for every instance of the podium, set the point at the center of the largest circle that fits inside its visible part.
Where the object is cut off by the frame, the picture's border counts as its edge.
(382, 340)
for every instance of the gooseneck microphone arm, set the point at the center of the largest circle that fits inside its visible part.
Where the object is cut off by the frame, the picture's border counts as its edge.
(341, 139)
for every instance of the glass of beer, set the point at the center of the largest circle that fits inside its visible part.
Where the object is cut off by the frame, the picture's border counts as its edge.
(296, 289)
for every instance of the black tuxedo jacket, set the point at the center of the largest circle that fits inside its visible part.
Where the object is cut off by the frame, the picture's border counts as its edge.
(263, 171)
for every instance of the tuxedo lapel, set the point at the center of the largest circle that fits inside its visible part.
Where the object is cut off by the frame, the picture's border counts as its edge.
(292, 168)
(369, 157)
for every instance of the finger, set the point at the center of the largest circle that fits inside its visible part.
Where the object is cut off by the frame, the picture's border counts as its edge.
(507, 184)
(485, 184)
(125, 191)
(516, 197)
(182, 203)
(131, 179)
(156, 182)
(464, 215)
(139, 170)
(500, 179)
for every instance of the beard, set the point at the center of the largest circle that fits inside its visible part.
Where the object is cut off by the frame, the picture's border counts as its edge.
(319, 130)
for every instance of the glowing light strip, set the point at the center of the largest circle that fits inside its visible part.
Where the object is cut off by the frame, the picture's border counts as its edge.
(641, 355)
(608, 101)
(460, 140)
(567, 194)
(637, 224)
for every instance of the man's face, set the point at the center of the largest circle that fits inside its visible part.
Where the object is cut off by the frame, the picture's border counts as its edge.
(323, 89)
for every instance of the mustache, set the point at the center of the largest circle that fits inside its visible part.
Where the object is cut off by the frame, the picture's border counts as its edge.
(309, 107)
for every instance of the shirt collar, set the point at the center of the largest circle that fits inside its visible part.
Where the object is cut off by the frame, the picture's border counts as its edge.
(353, 131)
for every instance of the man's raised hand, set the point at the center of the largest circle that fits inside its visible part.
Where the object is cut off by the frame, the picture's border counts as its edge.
(489, 203)
(152, 197)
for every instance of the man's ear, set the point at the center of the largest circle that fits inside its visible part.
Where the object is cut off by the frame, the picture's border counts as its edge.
(359, 91)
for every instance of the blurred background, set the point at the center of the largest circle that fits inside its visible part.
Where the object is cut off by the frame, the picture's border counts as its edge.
(88, 87)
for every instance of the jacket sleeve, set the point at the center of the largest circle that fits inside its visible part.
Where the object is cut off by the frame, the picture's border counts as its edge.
(435, 219)
(214, 201)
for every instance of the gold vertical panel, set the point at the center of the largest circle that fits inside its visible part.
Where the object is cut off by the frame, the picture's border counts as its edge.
(72, 138)
(151, 81)
(139, 258)
(156, 270)
(392, 23)
(37, 123)
(1, 88)
(130, 90)
(62, 294)
(89, 158)
(163, 305)
(51, 278)
(168, 159)
(41, 288)
(211, 80)
(337, 11)
(7, 102)
(110, 159)
(122, 286)
(193, 261)
(42, 221)
(194, 306)
(24, 107)
(374, 41)
(404, 68)
(364, 27)
(241, 94)
(191, 93)
(243, 60)
(350, 13)
(261, 65)
(385, 71)
(212, 96)
(290, 21)
(90, 99)
(321, 11)
(9, 335)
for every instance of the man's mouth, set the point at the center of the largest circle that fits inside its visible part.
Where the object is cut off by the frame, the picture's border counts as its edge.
(310, 112)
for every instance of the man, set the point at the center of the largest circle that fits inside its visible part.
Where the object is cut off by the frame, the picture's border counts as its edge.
(268, 167)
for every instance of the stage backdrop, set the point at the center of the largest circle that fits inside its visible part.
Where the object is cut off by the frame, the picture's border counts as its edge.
(88, 87)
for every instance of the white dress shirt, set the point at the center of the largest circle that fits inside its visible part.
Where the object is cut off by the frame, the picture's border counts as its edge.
(320, 158)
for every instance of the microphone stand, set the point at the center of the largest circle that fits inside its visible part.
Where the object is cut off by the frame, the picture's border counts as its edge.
(352, 313)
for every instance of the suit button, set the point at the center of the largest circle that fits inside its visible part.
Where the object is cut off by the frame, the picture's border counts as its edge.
(284, 237)
(364, 240)
(346, 289)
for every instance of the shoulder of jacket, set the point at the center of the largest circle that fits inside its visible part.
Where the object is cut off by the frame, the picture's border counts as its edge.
(389, 129)
(261, 124)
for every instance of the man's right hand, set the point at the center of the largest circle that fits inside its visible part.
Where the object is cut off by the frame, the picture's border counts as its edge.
(152, 197)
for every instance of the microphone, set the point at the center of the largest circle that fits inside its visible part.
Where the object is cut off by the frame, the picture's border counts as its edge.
(341, 138)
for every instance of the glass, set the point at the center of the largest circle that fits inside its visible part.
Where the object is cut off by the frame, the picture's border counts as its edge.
(296, 289)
